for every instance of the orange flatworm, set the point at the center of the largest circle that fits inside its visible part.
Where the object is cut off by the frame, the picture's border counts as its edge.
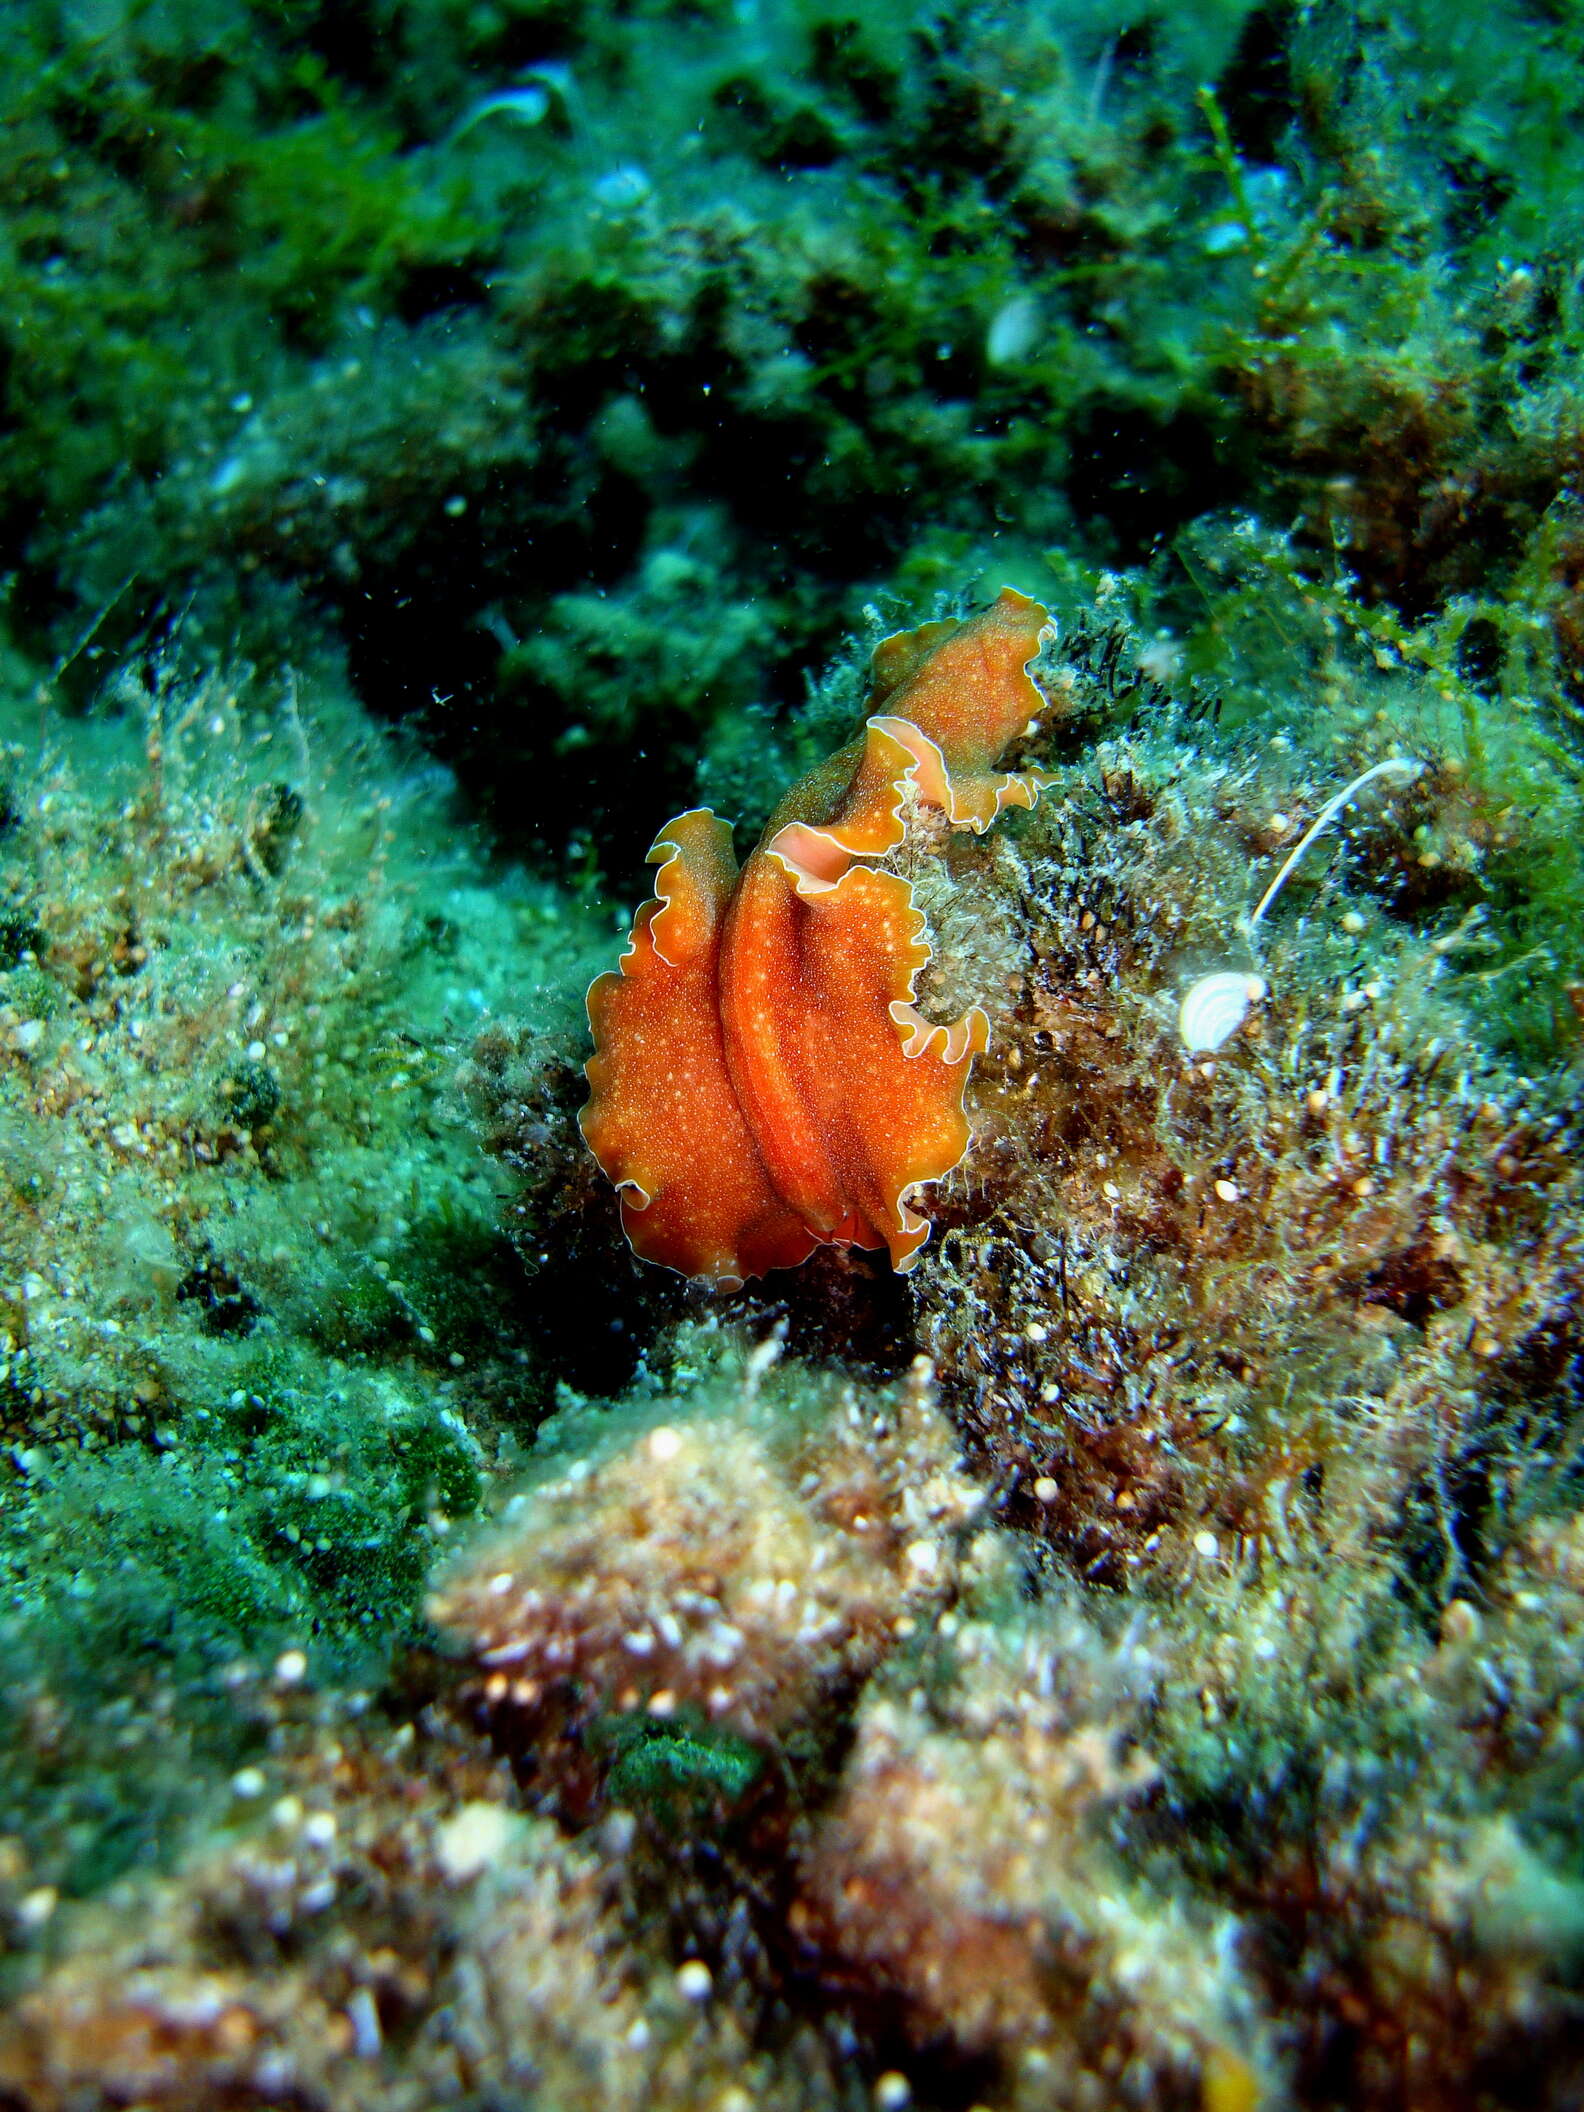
(762, 1081)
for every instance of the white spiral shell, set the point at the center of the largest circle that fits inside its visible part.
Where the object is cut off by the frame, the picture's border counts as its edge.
(1215, 1007)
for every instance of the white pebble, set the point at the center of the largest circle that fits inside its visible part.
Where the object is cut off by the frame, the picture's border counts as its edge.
(693, 1980)
(34, 1908)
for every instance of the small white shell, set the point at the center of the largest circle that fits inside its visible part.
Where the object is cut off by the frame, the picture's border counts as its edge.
(1215, 1007)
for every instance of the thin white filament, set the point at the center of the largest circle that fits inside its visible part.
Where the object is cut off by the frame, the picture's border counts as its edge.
(1326, 815)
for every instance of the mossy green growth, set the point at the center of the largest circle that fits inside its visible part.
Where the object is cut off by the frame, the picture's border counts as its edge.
(251, 1095)
(132, 1583)
(677, 1769)
(341, 1476)
(355, 1310)
(1482, 686)
(442, 1285)
(329, 212)
(150, 163)
(30, 991)
(19, 935)
(146, 1587)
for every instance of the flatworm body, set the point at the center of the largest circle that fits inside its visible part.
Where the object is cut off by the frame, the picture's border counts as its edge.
(762, 1082)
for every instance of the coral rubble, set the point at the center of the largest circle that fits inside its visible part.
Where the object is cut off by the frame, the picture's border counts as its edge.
(736, 1568)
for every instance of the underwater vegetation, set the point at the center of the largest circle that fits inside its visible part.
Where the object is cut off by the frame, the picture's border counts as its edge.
(1144, 1667)
(589, 417)
(997, 1541)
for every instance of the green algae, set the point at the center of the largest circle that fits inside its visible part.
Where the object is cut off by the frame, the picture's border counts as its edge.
(596, 444)
(683, 1771)
(238, 1292)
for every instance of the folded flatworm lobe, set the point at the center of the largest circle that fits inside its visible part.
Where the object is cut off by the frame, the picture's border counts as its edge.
(762, 1081)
